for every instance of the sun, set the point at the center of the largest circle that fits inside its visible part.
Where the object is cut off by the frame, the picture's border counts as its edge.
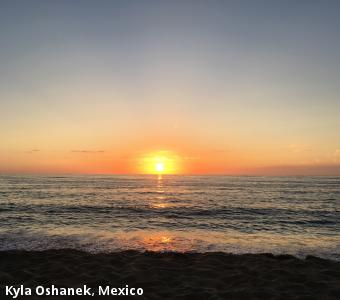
(160, 162)
(160, 167)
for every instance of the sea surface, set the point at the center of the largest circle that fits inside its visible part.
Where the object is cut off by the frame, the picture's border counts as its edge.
(290, 215)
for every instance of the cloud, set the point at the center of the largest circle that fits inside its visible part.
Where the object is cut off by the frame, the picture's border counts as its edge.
(299, 148)
(336, 155)
(191, 157)
(33, 151)
(88, 151)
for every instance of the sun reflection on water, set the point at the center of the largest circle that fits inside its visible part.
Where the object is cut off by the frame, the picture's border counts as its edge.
(159, 205)
(160, 200)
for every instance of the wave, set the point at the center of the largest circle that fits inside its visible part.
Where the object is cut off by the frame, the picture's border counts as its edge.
(105, 241)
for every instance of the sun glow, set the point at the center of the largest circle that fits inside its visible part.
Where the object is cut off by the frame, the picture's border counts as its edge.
(159, 167)
(162, 162)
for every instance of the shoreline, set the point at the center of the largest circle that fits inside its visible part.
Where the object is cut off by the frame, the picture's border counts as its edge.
(174, 275)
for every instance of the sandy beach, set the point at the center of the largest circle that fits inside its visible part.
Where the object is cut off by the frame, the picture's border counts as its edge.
(175, 275)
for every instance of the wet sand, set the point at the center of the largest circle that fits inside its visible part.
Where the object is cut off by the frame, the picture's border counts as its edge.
(175, 275)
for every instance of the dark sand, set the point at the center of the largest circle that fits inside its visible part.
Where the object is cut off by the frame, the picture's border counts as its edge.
(176, 276)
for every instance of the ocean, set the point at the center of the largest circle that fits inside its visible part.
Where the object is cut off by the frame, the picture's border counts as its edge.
(104, 213)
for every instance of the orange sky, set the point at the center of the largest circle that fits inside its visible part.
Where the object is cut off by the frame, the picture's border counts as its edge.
(183, 157)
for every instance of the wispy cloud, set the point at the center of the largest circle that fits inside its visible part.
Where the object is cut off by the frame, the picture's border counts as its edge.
(32, 151)
(191, 157)
(299, 148)
(88, 151)
(336, 155)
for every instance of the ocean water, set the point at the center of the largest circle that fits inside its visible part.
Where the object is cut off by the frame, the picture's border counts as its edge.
(291, 215)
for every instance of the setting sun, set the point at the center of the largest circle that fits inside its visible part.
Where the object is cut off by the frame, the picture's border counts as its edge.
(160, 162)
(159, 167)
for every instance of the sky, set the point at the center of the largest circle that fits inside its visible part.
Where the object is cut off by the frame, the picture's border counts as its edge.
(213, 87)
